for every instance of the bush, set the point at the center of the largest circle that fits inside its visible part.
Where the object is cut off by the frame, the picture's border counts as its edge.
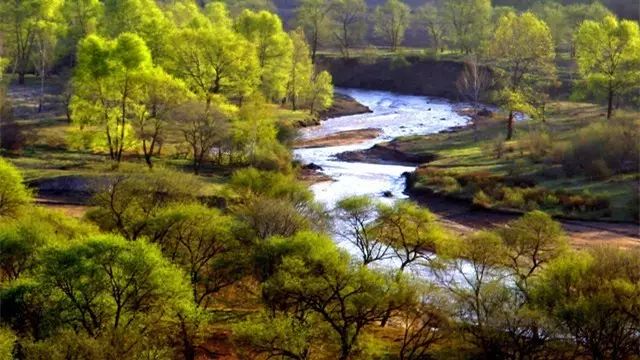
(481, 199)
(602, 150)
(538, 145)
(513, 198)
(13, 194)
(11, 135)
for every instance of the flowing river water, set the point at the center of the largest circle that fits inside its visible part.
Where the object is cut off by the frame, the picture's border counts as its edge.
(396, 115)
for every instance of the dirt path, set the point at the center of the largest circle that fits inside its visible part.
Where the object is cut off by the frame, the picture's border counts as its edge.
(461, 218)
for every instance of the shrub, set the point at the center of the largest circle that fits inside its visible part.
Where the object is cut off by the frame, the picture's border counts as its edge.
(11, 135)
(13, 194)
(602, 150)
(513, 198)
(481, 199)
(538, 145)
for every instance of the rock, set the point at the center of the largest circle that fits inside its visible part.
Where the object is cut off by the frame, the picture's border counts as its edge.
(387, 194)
(312, 166)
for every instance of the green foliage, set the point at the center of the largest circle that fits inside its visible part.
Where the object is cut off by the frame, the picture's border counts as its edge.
(107, 87)
(409, 229)
(22, 239)
(349, 23)
(108, 286)
(301, 70)
(532, 241)
(313, 16)
(279, 335)
(129, 200)
(608, 57)
(584, 153)
(255, 136)
(13, 193)
(319, 279)
(19, 20)
(429, 17)
(201, 241)
(392, 21)
(320, 93)
(141, 17)
(213, 59)
(593, 297)
(523, 49)
(273, 47)
(469, 22)
(7, 343)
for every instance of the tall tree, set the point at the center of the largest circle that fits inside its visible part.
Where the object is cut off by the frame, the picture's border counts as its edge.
(469, 21)
(214, 60)
(273, 46)
(301, 69)
(47, 33)
(523, 50)
(392, 21)
(320, 94)
(315, 277)
(348, 23)
(430, 18)
(142, 17)
(161, 94)
(19, 19)
(608, 56)
(107, 84)
(81, 18)
(313, 16)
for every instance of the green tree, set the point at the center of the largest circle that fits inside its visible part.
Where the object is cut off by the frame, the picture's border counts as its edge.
(301, 69)
(319, 95)
(281, 335)
(472, 274)
(204, 127)
(593, 297)
(313, 16)
(108, 286)
(392, 21)
(317, 278)
(7, 343)
(128, 201)
(532, 241)
(107, 85)
(411, 231)
(273, 46)
(14, 195)
(608, 57)
(469, 22)
(430, 18)
(523, 50)
(19, 19)
(348, 23)
(358, 213)
(81, 18)
(47, 33)
(214, 60)
(202, 241)
(161, 95)
(141, 17)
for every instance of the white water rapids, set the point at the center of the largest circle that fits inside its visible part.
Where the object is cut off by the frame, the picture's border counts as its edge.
(396, 115)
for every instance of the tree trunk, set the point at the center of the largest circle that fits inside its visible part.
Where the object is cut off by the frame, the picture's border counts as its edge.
(510, 121)
(21, 78)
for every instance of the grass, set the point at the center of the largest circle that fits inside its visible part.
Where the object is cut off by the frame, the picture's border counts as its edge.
(465, 153)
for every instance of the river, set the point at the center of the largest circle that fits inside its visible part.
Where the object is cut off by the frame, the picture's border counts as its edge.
(396, 115)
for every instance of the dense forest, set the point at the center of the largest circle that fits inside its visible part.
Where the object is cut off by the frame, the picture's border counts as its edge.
(151, 206)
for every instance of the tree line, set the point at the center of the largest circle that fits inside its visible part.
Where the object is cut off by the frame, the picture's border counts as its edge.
(139, 66)
(141, 276)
